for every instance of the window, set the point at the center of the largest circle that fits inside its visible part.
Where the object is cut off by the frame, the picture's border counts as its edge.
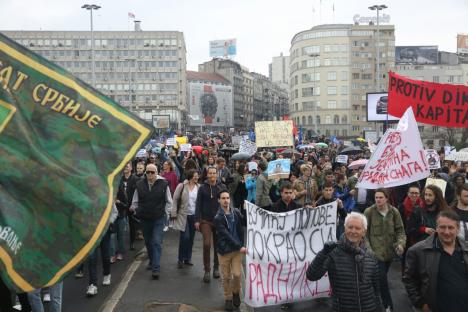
(331, 75)
(344, 90)
(367, 76)
(307, 92)
(344, 119)
(435, 129)
(310, 50)
(317, 119)
(296, 93)
(331, 90)
(331, 104)
(344, 104)
(328, 119)
(295, 106)
(451, 78)
(344, 75)
(336, 119)
(356, 128)
(355, 75)
(307, 106)
(303, 120)
(310, 77)
(309, 120)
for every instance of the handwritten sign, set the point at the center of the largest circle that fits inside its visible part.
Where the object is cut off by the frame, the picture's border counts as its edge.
(248, 147)
(185, 147)
(280, 247)
(342, 159)
(441, 183)
(432, 159)
(279, 168)
(171, 142)
(399, 158)
(274, 133)
(236, 140)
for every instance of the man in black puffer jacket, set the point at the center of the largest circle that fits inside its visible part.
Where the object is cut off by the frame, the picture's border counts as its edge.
(352, 269)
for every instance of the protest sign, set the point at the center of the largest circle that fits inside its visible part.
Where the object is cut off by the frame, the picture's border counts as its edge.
(185, 147)
(398, 159)
(342, 159)
(441, 183)
(63, 147)
(437, 104)
(279, 169)
(252, 165)
(171, 142)
(274, 133)
(432, 159)
(248, 147)
(280, 247)
(449, 150)
(181, 140)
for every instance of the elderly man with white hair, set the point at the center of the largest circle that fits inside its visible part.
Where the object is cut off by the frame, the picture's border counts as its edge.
(352, 269)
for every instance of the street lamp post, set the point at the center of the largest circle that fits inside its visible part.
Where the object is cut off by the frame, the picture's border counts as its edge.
(92, 7)
(314, 56)
(378, 8)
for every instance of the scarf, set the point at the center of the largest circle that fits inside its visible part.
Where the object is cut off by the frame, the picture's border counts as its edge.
(409, 207)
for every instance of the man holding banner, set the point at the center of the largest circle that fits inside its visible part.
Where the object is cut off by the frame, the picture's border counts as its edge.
(352, 269)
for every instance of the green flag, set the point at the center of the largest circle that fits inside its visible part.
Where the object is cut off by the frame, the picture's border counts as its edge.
(62, 147)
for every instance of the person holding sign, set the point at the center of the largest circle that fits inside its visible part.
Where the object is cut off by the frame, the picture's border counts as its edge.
(230, 247)
(386, 235)
(352, 268)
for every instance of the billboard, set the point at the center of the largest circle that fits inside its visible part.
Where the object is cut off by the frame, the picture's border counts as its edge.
(161, 121)
(210, 105)
(377, 107)
(224, 48)
(462, 44)
(417, 55)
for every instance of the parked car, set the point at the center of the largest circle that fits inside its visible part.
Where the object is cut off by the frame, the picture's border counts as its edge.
(382, 105)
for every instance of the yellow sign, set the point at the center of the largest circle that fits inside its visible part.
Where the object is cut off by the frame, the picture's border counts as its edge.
(274, 133)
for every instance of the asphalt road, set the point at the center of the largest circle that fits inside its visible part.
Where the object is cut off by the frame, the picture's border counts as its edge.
(181, 286)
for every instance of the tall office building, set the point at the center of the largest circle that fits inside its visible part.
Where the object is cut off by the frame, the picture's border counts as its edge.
(332, 67)
(279, 70)
(144, 71)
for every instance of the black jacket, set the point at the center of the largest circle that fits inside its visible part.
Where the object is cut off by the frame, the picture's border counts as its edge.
(226, 243)
(125, 193)
(207, 204)
(421, 271)
(280, 206)
(152, 203)
(353, 274)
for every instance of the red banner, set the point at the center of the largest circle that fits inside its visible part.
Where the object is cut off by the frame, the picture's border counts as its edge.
(437, 104)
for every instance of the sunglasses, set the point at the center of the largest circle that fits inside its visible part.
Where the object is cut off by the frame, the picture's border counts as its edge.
(151, 172)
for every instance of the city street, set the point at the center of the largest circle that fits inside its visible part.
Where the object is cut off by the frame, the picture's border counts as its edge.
(185, 286)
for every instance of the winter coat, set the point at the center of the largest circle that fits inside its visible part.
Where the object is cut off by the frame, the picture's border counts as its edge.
(299, 186)
(207, 203)
(180, 213)
(421, 271)
(384, 234)
(353, 273)
(226, 243)
(263, 191)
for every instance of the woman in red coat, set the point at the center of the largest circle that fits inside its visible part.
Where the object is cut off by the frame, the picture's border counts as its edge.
(170, 176)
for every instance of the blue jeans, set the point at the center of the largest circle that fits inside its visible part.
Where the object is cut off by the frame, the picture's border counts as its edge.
(55, 296)
(120, 223)
(153, 234)
(384, 266)
(186, 240)
(92, 260)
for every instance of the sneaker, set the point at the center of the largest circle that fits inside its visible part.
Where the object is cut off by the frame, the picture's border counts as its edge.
(206, 277)
(106, 280)
(236, 300)
(112, 259)
(216, 273)
(91, 291)
(228, 305)
(187, 262)
(286, 306)
(119, 257)
(46, 297)
(388, 309)
(180, 265)
(79, 274)
(155, 275)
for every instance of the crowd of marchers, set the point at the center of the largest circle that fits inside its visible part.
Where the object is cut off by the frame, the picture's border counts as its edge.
(203, 190)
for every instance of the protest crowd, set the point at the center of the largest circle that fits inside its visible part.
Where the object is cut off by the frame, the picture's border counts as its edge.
(203, 188)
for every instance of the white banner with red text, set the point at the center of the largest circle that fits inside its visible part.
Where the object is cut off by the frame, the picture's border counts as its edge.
(398, 159)
(280, 247)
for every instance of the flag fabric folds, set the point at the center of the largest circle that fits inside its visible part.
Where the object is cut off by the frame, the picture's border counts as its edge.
(62, 147)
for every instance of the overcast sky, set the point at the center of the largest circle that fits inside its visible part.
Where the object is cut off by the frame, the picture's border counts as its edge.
(263, 28)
